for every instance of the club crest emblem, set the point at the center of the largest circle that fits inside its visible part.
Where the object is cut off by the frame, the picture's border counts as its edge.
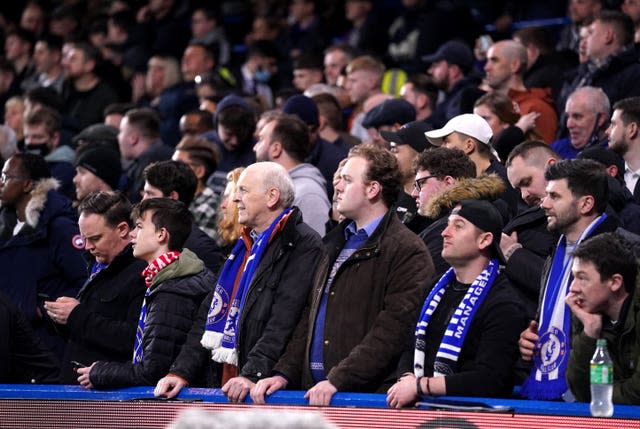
(551, 350)
(219, 306)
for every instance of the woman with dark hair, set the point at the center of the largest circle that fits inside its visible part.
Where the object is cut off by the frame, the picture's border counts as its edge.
(509, 128)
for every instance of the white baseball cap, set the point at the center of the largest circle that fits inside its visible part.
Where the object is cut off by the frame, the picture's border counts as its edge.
(468, 124)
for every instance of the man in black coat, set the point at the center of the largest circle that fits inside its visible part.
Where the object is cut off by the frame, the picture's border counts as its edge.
(526, 241)
(613, 61)
(467, 332)
(101, 321)
(276, 293)
(575, 204)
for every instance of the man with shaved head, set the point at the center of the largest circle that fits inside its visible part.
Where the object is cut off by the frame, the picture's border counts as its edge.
(505, 68)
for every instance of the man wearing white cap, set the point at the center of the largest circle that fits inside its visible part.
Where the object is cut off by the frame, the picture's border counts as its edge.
(472, 134)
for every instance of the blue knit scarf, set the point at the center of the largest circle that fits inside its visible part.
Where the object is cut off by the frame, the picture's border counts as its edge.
(547, 378)
(221, 329)
(446, 361)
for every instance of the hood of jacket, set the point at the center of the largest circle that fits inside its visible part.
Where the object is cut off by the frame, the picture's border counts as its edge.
(188, 264)
(487, 186)
(46, 203)
(308, 172)
(61, 154)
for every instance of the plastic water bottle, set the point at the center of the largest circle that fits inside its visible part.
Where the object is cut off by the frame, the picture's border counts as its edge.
(601, 381)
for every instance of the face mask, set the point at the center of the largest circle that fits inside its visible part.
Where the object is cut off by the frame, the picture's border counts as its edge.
(263, 76)
(37, 149)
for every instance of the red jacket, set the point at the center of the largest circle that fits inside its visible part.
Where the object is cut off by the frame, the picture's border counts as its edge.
(538, 100)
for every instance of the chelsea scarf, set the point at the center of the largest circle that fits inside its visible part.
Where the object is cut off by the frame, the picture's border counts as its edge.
(222, 320)
(446, 361)
(547, 378)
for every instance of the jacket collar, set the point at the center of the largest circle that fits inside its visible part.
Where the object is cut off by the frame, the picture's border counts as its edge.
(38, 200)
(487, 186)
(335, 239)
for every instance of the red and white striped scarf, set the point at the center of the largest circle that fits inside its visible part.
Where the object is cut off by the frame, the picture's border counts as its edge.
(158, 264)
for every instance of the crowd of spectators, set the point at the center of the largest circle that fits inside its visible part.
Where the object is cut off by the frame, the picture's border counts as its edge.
(328, 195)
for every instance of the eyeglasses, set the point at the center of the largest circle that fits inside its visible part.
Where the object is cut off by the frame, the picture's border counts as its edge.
(417, 185)
(4, 177)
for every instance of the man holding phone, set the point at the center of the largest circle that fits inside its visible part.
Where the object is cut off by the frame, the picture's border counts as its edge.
(101, 321)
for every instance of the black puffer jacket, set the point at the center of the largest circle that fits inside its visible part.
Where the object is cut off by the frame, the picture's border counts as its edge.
(103, 325)
(176, 294)
(275, 300)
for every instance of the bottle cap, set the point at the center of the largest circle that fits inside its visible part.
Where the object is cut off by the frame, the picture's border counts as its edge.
(601, 342)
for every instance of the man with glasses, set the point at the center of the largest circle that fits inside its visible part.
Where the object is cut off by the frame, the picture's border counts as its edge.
(436, 171)
(472, 134)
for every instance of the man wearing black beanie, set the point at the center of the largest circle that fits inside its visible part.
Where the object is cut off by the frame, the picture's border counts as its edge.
(97, 169)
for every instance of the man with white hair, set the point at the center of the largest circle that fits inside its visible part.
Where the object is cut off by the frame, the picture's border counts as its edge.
(587, 113)
(246, 322)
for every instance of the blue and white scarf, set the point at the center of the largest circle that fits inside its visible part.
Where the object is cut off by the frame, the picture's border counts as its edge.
(547, 378)
(222, 321)
(149, 273)
(446, 361)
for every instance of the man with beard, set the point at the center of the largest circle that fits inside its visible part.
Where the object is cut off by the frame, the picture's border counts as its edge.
(575, 201)
(624, 138)
(526, 242)
(450, 69)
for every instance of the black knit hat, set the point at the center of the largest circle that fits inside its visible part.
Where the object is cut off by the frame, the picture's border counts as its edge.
(103, 162)
(487, 218)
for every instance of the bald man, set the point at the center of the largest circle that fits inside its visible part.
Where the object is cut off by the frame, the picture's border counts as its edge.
(505, 68)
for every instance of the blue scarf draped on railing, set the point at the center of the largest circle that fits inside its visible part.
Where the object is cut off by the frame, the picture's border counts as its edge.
(446, 361)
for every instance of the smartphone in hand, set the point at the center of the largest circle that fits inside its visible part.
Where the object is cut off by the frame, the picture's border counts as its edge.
(77, 364)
